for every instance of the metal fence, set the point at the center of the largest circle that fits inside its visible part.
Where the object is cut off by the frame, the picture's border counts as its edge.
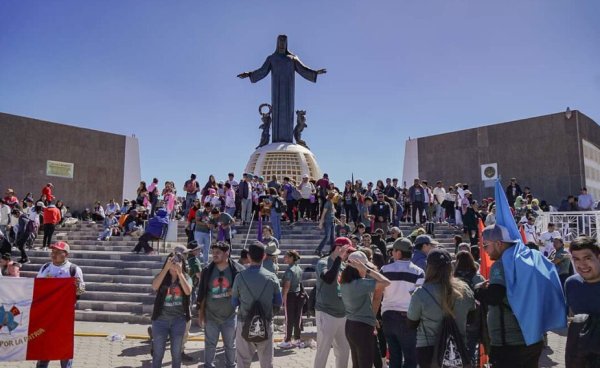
(571, 224)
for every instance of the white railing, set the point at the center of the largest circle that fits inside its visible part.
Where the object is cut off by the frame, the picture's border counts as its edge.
(571, 224)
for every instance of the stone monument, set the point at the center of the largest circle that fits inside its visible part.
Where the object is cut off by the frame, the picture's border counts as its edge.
(282, 157)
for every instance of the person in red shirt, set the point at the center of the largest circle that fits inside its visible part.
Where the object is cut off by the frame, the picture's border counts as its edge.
(47, 191)
(10, 199)
(52, 216)
(191, 217)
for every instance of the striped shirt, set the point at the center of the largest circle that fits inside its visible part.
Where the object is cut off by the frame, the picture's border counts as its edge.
(404, 277)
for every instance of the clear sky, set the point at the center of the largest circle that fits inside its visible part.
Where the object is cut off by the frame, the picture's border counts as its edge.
(165, 71)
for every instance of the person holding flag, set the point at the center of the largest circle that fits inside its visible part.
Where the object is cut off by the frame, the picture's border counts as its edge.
(523, 293)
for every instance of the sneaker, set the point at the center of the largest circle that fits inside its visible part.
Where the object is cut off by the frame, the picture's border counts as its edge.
(285, 345)
(186, 358)
(299, 344)
(23, 260)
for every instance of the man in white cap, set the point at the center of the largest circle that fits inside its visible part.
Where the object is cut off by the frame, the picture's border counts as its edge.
(60, 267)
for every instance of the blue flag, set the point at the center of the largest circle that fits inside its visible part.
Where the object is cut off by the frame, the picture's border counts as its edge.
(532, 285)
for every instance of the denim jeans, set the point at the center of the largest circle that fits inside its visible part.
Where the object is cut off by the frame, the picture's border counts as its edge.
(63, 363)
(276, 224)
(211, 332)
(203, 239)
(246, 209)
(174, 329)
(328, 228)
(230, 211)
(189, 199)
(401, 340)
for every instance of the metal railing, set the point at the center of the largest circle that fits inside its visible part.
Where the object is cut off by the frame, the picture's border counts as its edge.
(571, 224)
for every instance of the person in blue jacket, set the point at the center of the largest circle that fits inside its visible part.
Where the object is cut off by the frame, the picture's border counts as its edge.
(154, 229)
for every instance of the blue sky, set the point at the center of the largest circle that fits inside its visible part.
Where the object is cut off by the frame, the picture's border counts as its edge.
(165, 71)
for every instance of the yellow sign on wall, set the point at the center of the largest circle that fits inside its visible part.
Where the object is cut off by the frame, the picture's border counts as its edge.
(60, 169)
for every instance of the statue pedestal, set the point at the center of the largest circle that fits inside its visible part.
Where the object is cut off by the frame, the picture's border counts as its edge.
(283, 159)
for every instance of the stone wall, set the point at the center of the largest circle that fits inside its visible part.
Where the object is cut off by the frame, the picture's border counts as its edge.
(541, 152)
(27, 144)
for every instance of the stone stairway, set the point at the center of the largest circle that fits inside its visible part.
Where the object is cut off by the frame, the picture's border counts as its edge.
(118, 283)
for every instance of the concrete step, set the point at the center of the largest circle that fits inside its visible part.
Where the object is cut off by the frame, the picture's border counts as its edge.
(108, 316)
(117, 297)
(114, 306)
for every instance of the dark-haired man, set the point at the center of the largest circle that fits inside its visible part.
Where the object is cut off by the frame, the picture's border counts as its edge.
(508, 348)
(583, 297)
(405, 277)
(191, 188)
(215, 310)
(255, 284)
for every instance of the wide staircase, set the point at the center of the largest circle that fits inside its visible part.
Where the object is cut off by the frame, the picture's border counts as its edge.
(118, 282)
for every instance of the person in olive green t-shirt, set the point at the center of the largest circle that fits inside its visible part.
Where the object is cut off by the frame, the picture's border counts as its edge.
(292, 299)
(330, 311)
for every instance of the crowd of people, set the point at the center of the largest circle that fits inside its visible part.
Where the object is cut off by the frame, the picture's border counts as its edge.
(381, 297)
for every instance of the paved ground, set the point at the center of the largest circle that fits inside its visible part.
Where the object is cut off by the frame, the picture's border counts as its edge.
(95, 352)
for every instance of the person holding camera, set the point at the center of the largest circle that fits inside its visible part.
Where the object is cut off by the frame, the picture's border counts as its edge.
(171, 310)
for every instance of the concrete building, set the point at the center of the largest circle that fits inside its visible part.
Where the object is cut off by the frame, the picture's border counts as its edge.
(555, 155)
(84, 165)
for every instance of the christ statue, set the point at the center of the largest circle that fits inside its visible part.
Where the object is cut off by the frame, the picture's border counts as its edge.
(283, 66)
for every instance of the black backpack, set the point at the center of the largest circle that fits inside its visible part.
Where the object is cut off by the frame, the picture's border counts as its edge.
(450, 350)
(255, 324)
(278, 205)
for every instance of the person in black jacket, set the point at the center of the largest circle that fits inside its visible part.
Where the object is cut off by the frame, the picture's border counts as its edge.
(513, 190)
(216, 312)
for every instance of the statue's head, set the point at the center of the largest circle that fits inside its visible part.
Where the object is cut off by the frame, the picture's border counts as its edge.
(282, 44)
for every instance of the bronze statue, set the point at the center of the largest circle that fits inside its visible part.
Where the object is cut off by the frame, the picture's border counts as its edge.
(283, 66)
(265, 126)
(300, 125)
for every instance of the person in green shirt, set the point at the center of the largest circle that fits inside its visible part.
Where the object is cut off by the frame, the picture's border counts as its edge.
(561, 259)
(358, 283)
(441, 294)
(292, 299)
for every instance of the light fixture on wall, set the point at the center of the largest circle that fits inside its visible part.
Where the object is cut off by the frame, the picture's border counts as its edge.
(568, 113)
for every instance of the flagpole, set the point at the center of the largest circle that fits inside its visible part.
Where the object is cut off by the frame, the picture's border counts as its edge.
(249, 228)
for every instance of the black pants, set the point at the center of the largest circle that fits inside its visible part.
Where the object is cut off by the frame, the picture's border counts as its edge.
(425, 356)
(417, 208)
(520, 356)
(21, 245)
(291, 204)
(143, 243)
(362, 351)
(48, 231)
(351, 212)
(304, 208)
(293, 316)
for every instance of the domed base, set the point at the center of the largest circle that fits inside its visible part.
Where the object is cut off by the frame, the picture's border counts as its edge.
(283, 159)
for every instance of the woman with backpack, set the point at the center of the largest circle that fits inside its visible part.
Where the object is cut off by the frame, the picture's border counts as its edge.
(358, 282)
(171, 308)
(438, 311)
(466, 270)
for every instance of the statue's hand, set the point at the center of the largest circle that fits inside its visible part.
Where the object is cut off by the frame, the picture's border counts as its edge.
(321, 71)
(243, 75)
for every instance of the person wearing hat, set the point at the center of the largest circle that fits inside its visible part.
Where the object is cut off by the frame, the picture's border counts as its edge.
(441, 294)
(358, 282)
(405, 278)
(342, 228)
(508, 347)
(215, 311)
(270, 262)
(171, 311)
(330, 311)
(423, 245)
(10, 198)
(255, 284)
(52, 217)
(292, 300)
(306, 189)
(561, 259)
(194, 267)
(61, 267)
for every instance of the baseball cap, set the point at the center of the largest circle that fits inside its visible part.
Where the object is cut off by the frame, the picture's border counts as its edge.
(497, 233)
(61, 245)
(223, 246)
(342, 241)
(439, 257)
(362, 258)
(402, 244)
(425, 239)
(272, 250)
